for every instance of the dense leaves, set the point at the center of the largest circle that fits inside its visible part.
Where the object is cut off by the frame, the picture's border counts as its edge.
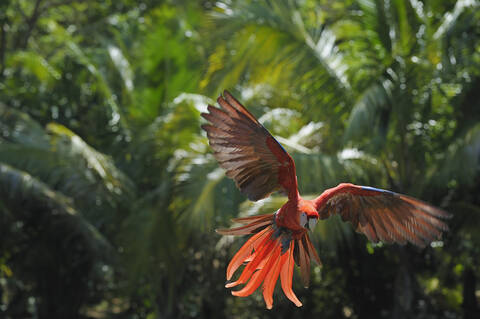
(109, 193)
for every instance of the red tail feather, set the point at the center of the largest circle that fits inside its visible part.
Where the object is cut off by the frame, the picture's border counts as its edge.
(268, 255)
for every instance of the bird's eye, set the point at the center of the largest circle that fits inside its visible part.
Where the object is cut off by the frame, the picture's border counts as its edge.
(311, 223)
(303, 220)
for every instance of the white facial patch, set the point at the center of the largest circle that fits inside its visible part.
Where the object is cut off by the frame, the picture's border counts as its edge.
(303, 220)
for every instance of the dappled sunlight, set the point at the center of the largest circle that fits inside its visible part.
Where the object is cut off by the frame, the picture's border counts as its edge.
(110, 192)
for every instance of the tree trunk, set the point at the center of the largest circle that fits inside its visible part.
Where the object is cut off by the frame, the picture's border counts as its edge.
(403, 289)
(469, 305)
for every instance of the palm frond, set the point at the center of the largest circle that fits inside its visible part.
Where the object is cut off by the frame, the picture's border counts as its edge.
(71, 48)
(68, 144)
(207, 195)
(282, 48)
(37, 65)
(18, 127)
(32, 201)
(461, 163)
(122, 65)
(459, 32)
(366, 116)
(449, 20)
(64, 161)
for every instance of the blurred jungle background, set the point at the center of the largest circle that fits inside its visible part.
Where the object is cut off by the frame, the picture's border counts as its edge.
(109, 194)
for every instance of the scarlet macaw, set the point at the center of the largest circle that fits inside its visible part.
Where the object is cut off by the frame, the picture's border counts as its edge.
(259, 165)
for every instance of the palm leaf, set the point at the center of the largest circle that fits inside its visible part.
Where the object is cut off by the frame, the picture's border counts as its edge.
(64, 161)
(366, 117)
(461, 162)
(29, 199)
(283, 49)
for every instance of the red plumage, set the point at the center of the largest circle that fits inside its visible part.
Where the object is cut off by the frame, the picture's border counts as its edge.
(259, 165)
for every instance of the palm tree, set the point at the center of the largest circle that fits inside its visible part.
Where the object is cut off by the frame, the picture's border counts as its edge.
(108, 193)
(386, 60)
(104, 213)
(44, 178)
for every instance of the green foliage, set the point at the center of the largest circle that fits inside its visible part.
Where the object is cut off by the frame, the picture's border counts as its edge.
(109, 194)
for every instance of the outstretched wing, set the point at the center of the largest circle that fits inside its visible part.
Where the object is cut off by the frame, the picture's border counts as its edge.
(247, 151)
(383, 215)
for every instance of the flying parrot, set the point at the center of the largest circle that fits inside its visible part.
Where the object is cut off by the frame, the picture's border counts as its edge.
(259, 165)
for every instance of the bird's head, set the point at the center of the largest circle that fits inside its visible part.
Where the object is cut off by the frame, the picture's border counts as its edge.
(308, 214)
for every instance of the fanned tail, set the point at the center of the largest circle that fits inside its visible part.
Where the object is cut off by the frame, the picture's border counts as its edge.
(268, 255)
(253, 225)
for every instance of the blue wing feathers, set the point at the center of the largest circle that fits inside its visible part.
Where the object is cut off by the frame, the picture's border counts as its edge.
(368, 188)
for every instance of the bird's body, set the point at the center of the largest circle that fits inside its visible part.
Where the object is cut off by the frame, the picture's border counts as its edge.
(288, 215)
(259, 165)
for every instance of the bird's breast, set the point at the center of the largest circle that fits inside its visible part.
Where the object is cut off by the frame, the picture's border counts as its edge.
(289, 219)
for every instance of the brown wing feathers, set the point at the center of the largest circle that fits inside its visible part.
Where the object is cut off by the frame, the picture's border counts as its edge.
(388, 217)
(240, 145)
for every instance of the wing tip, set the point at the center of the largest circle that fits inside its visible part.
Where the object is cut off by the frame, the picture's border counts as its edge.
(426, 207)
(210, 107)
(222, 99)
(228, 95)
